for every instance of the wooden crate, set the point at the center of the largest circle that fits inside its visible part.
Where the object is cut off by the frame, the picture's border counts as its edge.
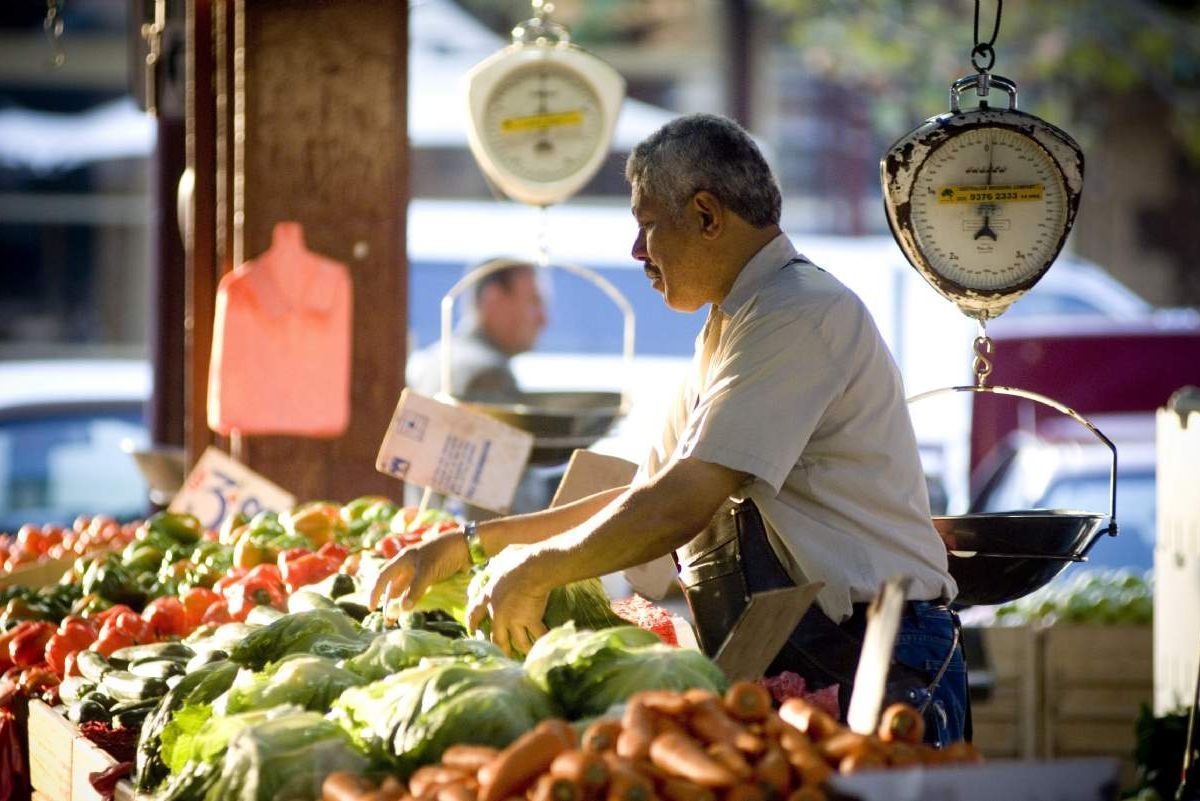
(1007, 724)
(40, 574)
(87, 758)
(1096, 680)
(51, 739)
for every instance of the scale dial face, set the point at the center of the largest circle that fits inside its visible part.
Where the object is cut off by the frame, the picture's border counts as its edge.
(988, 209)
(543, 123)
(981, 203)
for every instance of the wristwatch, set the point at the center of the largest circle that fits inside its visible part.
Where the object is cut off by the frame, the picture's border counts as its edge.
(474, 546)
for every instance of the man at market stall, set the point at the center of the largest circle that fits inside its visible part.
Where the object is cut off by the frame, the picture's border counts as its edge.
(788, 456)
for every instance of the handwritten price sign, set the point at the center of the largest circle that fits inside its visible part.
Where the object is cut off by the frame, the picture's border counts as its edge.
(219, 487)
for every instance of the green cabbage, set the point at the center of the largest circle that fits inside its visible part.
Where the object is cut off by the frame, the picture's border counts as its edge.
(321, 632)
(309, 682)
(397, 650)
(587, 672)
(408, 719)
(582, 602)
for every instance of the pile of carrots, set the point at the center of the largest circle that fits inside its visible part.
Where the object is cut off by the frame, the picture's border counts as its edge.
(669, 746)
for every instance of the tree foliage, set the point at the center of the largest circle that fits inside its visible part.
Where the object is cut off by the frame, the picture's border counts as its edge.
(1073, 60)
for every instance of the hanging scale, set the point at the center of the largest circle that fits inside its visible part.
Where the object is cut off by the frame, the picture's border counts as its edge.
(981, 199)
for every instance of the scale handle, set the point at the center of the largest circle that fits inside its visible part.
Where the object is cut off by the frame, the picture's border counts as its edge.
(602, 283)
(982, 84)
(1053, 404)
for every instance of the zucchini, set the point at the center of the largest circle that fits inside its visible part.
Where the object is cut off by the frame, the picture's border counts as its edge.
(125, 686)
(72, 688)
(130, 715)
(98, 697)
(206, 658)
(92, 665)
(172, 681)
(158, 650)
(157, 668)
(353, 608)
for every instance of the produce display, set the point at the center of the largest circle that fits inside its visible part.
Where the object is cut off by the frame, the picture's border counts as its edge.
(33, 545)
(1089, 597)
(244, 664)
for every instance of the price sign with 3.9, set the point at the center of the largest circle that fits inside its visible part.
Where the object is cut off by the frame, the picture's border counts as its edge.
(219, 487)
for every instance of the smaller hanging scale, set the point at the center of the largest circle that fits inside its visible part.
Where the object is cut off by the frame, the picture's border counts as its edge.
(542, 112)
(981, 200)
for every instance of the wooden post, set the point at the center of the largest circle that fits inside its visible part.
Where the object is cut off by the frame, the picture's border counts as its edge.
(325, 144)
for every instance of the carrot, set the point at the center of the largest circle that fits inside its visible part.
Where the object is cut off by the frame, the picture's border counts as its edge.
(794, 740)
(469, 757)
(430, 777)
(683, 790)
(745, 792)
(901, 755)
(455, 792)
(809, 766)
(626, 782)
(561, 728)
(774, 772)
(637, 730)
(683, 757)
(810, 720)
(519, 764)
(601, 736)
(809, 792)
(862, 760)
(731, 758)
(709, 721)
(748, 701)
(664, 701)
(667, 723)
(961, 751)
(901, 723)
(587, 770)
(553, 788)
(343, 786)
(844, 744)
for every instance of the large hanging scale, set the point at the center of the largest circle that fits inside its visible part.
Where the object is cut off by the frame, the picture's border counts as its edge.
(542, 113)
(981, 200)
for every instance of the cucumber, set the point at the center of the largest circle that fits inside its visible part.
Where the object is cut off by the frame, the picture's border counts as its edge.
(125, 686)
(92, 665)
(306, 601)
(86, 711)
(158, 650)
(72, 688)
(157, 668)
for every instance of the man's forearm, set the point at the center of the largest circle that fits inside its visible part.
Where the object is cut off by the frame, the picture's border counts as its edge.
(496, 535)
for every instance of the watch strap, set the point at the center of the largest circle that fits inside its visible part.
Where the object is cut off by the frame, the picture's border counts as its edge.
(479, 557)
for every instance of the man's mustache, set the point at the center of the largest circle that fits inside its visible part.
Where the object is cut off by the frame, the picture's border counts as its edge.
(651, 271)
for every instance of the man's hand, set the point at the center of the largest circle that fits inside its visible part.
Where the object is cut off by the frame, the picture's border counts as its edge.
(411, 572)
(514, 600)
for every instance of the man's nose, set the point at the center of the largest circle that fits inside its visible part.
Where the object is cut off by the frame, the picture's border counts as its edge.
(639, 247)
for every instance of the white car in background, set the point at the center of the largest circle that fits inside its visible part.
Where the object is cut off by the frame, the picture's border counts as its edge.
(65, 428)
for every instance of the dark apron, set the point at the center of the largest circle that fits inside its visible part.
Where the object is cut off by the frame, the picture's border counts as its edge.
(731, 560)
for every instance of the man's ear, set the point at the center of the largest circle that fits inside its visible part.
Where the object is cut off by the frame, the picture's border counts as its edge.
(710, 212)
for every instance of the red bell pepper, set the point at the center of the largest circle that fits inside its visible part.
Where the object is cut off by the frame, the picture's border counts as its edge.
(229, 579)
(332, 550)
(131, 624)
(64, 643)
(290, 554)
(308, 569)
(196, 602)
(390, 545)
(28, 648)
(218, 614)
(166, 616)
(111, 640)
(6, 637)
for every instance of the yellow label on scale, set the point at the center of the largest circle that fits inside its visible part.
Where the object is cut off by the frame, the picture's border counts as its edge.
(536, 121)
(990, 194)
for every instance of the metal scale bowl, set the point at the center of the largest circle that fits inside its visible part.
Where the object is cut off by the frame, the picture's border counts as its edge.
(560, 421)
(997, 557)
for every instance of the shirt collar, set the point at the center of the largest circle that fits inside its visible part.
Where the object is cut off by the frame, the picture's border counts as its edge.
(762, 265)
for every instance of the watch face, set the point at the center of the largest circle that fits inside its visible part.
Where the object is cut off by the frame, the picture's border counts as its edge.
(543, 122)
(989, 208)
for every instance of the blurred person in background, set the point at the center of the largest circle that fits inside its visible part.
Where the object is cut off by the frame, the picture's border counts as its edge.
(505, 318)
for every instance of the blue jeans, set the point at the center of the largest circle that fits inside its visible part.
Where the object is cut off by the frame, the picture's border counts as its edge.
(826, 653)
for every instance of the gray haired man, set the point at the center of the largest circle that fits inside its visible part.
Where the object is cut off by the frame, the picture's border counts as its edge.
(788, 455)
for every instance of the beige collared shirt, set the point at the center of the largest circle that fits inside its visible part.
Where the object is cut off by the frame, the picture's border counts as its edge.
(793, 384)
